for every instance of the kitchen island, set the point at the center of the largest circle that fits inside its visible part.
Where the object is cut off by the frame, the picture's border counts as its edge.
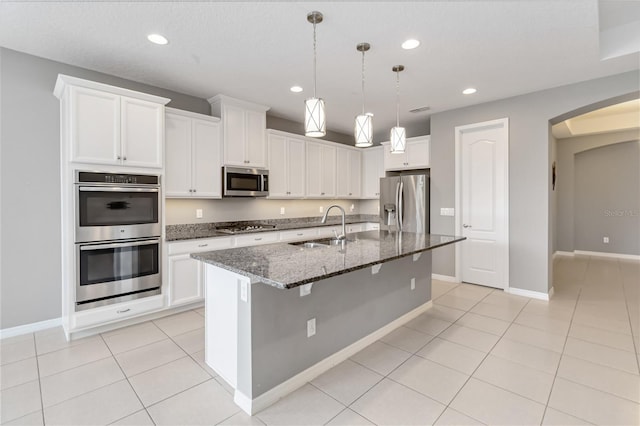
(278, 315)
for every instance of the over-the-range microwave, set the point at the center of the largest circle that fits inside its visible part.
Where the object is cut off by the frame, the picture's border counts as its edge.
(245, 182)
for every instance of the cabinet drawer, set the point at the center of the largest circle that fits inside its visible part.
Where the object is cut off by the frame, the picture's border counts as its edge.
(355, 227)
(298, 234)
(106, 314)
(257, 239)
(328, 230)
(371, 226)
(195, 246)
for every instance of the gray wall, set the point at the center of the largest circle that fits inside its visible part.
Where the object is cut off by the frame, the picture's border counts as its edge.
(607, 198)
(529, 170)
(30, 286)
(567, 150)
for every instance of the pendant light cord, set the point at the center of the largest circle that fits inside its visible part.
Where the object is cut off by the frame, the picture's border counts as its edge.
(362, 81)
(314, 59)
(397, 98)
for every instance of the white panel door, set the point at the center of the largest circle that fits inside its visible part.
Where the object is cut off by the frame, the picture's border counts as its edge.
(483, 210)
(207, 159)
(297, 170)
(234, 130)
(343, 173)
(178, 147)
(372, 171)
(328, 173)
(278, 167)
(142, 133)
(185, 280)
(256, 148)
(314, 169)
(355, 170)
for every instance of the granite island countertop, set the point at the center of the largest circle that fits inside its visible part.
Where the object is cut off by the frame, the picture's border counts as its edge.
(210, 230)
(286, 265)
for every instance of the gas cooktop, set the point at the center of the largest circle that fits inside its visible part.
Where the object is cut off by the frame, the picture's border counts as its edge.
(239, 229)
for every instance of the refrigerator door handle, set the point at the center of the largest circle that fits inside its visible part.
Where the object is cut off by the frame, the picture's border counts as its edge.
(400, 205)
(397, 205)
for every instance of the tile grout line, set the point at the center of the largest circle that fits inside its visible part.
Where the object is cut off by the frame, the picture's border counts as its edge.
(129, 382)
(626, 299)
(35, 349)
(555, 376)
(479, 364)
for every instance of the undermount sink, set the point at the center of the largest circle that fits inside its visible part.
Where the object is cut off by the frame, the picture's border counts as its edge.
(324, 242)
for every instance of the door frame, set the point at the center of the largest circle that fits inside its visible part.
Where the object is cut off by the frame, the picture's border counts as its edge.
(459, 131)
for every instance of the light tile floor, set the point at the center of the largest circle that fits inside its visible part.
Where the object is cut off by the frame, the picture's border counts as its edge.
(479, 356)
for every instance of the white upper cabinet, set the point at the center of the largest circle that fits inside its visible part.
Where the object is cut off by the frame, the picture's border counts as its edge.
(109, 125)
(321, 170)
(286, 165)
(243, 131)
(349, 166)
(416, 155)
(194, 155)
(372, 171)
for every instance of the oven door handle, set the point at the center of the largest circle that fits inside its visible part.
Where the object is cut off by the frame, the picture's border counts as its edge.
(116, 189)
(118, 245)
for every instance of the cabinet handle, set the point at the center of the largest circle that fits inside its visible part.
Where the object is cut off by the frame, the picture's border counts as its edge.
(118, 158)
(124, 158)
(322, 193)
(194, 190)
(203, 245)
(350, 193)
(300, 234)
(258, 239)
(122, 311)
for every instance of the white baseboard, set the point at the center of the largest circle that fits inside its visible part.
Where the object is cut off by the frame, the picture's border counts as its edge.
(253, 406)
(528, 293)
(603, 254)
(29, 328)
(563, 253)
(447, 278)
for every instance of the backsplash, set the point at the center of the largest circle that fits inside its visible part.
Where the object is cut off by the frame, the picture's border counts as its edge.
(183, 211)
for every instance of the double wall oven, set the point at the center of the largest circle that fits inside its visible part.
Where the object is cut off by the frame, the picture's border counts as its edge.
(118, 237)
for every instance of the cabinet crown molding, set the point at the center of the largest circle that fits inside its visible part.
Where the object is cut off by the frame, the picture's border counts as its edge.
(228, 100)
(191, 114)
(66, 80)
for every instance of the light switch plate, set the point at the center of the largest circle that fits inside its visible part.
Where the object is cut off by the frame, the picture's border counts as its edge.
(311, 327)
(281, 210)
(447, 211)
(198, 213)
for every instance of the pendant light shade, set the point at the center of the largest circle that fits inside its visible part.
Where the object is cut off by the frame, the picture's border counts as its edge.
(398, 135)
(315, 124)
(363, 129)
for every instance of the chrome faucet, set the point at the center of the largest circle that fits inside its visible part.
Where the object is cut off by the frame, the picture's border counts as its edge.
(324, 220)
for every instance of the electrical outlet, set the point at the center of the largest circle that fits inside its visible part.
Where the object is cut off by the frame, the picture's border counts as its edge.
(198, 213)
(413, 283)
(281, 210)
(352, 208)
(311, 327)
(605, 240)
(321, 209)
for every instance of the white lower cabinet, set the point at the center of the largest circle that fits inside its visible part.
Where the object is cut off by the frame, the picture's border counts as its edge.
(371, 226)
(107, 314)
(298, 234)
(185, 283)
(257, 239)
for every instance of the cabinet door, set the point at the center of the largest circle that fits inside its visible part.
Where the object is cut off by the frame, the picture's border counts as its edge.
(142, 133)
(278, 173)
(355, 174)
(185, 280)
(207, 159)
(343, 173)
(328, 172)
(234, 135)
(178, 147)
(296, 166)
(256, 150)
(418, 153)
(314, 169)
(394, 161)
(372, 171)
(94, 126)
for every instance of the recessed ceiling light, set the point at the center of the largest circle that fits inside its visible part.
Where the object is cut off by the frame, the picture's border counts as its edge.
(157, 39)
(296, 89)
(410, 44)
(469, 91)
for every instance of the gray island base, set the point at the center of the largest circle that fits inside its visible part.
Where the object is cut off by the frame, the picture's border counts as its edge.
(279, 315)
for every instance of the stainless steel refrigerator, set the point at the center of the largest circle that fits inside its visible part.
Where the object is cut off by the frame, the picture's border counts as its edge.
(404, 203)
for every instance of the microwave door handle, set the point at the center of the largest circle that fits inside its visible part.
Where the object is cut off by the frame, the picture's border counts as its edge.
(116, 189)
(118, 245)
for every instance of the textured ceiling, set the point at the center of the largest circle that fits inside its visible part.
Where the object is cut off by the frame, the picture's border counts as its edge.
(257, 50)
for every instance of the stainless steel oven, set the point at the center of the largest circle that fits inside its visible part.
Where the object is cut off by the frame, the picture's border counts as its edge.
(118, 228)
(117, 271)
(111, 206)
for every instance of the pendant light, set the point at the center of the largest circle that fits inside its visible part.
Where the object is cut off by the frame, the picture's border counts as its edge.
(363, 126)
(315, 124)
(398, 135)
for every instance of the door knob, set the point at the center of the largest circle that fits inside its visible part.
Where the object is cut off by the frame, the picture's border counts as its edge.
(466, 226)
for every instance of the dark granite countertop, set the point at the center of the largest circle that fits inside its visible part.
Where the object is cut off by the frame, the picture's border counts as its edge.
(287, 266)
(209, 230)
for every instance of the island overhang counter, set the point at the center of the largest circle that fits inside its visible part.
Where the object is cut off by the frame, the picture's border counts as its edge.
(279, 315)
